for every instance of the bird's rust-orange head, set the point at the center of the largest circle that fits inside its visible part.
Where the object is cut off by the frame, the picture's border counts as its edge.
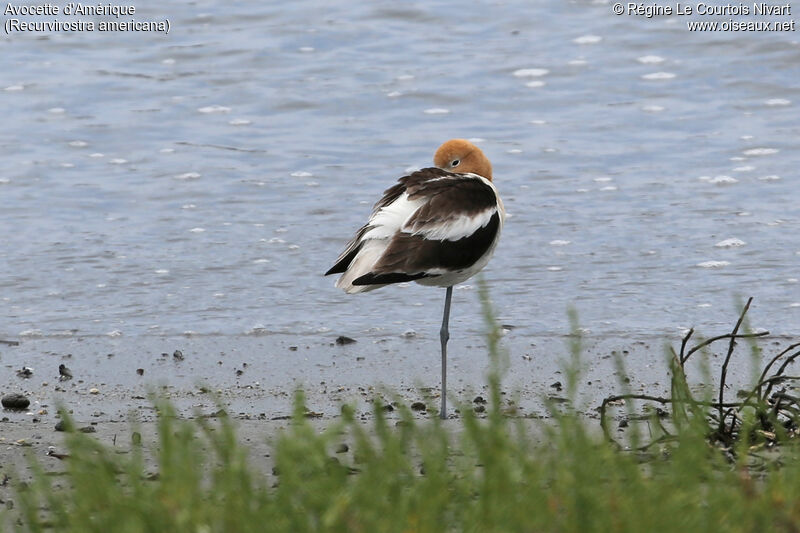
(460, 155)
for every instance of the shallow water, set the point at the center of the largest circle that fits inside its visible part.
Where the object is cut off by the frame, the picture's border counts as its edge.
(204, 180)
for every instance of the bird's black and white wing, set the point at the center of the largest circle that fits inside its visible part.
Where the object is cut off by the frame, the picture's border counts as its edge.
(433, 226)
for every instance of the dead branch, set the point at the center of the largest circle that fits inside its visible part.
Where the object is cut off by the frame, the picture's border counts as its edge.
(725, 423)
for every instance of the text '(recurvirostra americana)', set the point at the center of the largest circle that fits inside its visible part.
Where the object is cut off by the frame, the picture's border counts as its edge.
(67, 21)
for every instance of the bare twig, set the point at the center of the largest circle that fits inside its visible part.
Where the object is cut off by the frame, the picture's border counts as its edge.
(724, 373)
(618, 397)
(776, 413)
(770, 381)
(773, 361)
(682, 359)
(646, 397)
(788, 397)
(663, 438)
(780, 371)
(726, 336)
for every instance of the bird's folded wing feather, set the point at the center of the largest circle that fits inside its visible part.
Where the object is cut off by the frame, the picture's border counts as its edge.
(431, 221)
(455, 223)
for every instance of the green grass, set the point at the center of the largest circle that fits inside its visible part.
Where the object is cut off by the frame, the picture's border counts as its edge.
(495, 473)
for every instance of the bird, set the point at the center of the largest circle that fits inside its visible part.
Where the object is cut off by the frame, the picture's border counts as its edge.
(437, 226)
(64, 372)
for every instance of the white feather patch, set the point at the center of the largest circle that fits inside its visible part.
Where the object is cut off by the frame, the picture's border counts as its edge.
(388, 220)
(362, 264)
(454, 228)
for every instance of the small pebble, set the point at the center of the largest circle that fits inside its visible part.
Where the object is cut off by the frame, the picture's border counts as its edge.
(177, 355)
(419, 406)
(140, 371)
(53, 453)
(341, 340)
(342, 448)
(480, 408)
(94, 391)
(62, 426)
(15, 400)
(479, 399)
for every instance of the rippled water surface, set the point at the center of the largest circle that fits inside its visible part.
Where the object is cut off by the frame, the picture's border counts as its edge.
(204, 180)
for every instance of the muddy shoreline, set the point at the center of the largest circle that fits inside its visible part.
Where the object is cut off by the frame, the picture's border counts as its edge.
(254, 379)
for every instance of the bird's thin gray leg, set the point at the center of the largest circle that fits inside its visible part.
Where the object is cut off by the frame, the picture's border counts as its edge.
(444, 335)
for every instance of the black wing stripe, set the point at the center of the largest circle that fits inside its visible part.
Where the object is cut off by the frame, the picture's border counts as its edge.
(353, 247)
(383, 279)
(416, 254)
(344, 263)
